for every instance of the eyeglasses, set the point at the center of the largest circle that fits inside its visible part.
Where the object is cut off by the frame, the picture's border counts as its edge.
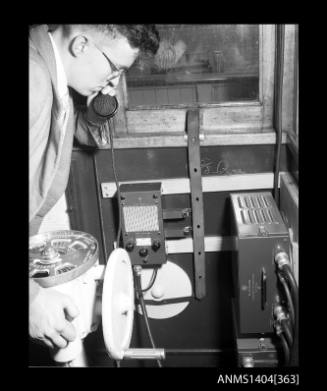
(114, 70)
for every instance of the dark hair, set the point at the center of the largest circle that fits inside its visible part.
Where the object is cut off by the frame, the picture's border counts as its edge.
(142, 36)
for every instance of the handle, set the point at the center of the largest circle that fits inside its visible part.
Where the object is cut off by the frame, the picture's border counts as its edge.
(144, 354)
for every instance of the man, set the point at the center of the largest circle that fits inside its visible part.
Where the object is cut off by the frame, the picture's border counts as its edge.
(88, 59)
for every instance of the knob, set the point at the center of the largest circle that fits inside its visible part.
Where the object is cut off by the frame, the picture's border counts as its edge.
(156, 245)
(129, 246)
(143, 252)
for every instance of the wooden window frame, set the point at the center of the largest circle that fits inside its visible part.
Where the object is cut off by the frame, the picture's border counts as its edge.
(291, 89)
(220, 123)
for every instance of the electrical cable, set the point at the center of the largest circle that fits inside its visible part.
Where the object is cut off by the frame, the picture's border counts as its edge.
(113, 162)
(152, 281)
(286, 349)
(138, 282)
(145, 314)
(290, 305)
(287, 332)
(287, 273)
(278, 95)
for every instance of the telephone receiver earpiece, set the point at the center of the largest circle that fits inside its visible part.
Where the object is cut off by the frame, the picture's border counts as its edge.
(105, 106)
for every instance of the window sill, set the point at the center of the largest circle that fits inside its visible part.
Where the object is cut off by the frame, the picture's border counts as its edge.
(173, 140)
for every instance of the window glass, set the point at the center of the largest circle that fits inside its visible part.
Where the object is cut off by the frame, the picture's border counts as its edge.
(198, 64)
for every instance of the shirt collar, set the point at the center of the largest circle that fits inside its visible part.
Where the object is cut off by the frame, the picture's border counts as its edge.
(61, 74)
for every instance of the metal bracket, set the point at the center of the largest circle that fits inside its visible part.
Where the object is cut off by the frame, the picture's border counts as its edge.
(176, 214)
(177, 233)
(194, 161)
(174, 231)
(107, 189)
(253, 352)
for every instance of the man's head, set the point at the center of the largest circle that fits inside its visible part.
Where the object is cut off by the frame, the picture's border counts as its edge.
(94, 56)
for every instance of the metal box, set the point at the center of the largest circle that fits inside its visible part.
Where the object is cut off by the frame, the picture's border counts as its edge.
(260, 232)
(142, 225)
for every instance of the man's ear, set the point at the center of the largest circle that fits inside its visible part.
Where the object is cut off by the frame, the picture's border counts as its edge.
(78, 45)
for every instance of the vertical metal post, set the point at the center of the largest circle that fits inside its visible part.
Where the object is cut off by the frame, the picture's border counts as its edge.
(194, 160)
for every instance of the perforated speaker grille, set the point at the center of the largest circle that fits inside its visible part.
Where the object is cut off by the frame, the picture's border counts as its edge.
(141, 218)
(257, 209)
(105, 105)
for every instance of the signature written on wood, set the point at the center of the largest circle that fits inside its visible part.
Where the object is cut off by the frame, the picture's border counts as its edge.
(214, 167)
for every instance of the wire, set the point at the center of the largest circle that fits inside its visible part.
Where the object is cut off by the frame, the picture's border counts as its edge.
(154, 275)
(290, 305)
(287, 332)
(145, 314)
(113, 163)
(287, 273)
(152, 281)
(286, 349)
(103, 236)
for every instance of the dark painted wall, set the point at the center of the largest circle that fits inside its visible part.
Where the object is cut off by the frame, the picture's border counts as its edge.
(205, 324)
(92, 213)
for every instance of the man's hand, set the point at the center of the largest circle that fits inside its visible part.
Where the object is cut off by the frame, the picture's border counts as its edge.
(50, 316)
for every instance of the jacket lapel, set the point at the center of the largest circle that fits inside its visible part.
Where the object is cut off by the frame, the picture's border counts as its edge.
(41, 41)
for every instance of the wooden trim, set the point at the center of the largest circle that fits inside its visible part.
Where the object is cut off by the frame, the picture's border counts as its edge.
(217, 118)
(184, 79)
(293, 142)
(291, 187)
(290, 76)
(211, 244)
(289, 208)
(212, 183)
(184, 246)
(119, 120)
(208, 139)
